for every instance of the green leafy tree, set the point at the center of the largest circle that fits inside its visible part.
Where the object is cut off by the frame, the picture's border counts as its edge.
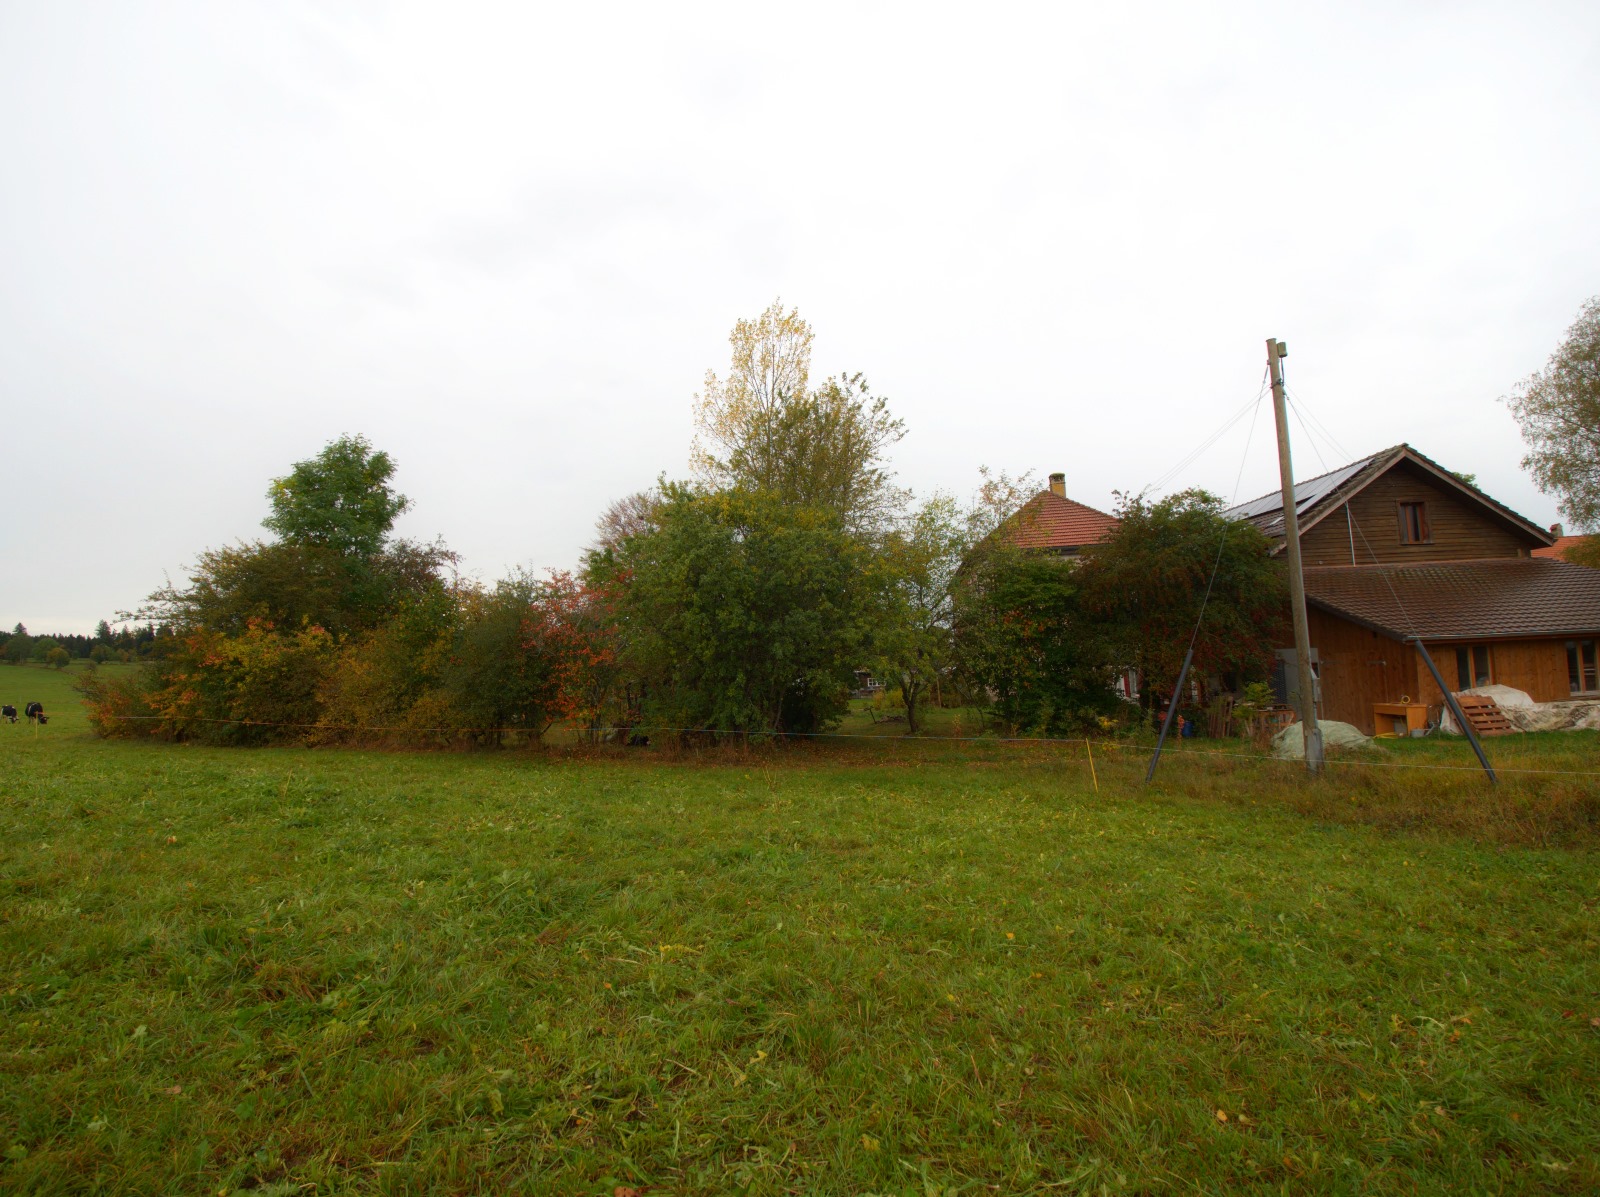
(339, 500)
(913, 634)
(1029, 655)
(58, 658)
(335, 566)
(102, 632)
(740, 612)
(41, 648)
(1148, 580)
(1559, 411)
(290, 585)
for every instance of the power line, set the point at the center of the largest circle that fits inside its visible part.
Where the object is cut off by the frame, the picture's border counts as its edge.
(1211, 440)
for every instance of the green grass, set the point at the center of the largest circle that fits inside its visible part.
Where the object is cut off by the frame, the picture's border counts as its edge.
(55, 688)
(822, 972)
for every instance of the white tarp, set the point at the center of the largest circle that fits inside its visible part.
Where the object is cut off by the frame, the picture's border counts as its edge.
(1526, 715)
(1290, 743)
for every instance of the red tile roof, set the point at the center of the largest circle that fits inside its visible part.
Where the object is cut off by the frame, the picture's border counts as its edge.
(1493, 599)
(1559, 549)
(1054, 522)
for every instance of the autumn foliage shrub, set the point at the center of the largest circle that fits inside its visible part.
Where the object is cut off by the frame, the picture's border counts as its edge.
(458, 665)
(256, 687)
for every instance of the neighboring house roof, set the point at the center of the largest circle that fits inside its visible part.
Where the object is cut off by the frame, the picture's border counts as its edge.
(1056, 523)
(1559, 549)
(1498, 598)
(1319, 497)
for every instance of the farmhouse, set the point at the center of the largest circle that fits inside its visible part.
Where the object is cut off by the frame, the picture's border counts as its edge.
(1396, 546)
(1563, 546)
(1052, 523)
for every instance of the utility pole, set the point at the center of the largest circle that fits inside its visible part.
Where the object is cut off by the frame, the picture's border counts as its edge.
(1276, 352)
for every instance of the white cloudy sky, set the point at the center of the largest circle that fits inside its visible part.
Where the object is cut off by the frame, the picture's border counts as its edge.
(505, 243)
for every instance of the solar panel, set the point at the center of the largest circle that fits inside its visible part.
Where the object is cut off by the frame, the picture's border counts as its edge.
(1305, 494)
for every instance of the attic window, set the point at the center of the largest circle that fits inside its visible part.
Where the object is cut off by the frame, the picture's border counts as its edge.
(1414, 524)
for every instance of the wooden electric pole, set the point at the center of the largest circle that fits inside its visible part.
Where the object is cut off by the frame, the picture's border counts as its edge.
(1276, 352)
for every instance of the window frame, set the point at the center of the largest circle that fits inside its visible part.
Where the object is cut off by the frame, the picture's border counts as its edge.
(1404, 509)
(1583, 665)
(1468, 657)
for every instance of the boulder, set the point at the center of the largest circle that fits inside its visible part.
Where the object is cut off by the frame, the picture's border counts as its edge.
(1290, 743)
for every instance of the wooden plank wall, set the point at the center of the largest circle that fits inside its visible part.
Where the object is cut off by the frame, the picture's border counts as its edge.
(1359, 668)
(1538, 667)
(1461, 529)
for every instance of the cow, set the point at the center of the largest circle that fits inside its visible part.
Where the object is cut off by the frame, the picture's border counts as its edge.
(8, 713)
(35, 712)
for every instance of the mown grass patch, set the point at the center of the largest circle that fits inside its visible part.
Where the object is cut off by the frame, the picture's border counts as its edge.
(393, 972)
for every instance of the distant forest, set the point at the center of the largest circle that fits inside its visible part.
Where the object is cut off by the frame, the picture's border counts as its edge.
(129, 644)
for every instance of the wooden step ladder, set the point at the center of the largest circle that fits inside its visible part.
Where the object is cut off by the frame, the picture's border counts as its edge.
(1484, 714)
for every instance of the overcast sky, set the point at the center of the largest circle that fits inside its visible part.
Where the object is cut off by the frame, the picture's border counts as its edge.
(506, 242)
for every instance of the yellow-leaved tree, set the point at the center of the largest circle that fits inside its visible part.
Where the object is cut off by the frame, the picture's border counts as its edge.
(765, 429)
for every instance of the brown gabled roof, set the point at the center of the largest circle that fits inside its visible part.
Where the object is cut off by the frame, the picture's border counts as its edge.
(1316, 498)
(1059, 524)
(1494, 599)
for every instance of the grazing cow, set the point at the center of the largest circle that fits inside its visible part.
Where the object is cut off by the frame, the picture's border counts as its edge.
(8, 713)
(35, 712)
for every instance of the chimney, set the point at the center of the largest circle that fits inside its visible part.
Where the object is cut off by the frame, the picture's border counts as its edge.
(1557, 531)
(1058, 485)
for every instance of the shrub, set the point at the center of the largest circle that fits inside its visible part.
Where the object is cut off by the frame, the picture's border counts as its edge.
(259, 687)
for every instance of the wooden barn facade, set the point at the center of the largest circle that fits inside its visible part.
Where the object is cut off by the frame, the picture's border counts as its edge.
(1397, 547)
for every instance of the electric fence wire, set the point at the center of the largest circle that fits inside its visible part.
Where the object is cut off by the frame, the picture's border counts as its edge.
(748, 736)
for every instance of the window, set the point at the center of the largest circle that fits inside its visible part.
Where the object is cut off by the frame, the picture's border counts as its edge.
(1581, 673)
(1414, 524)
(1472, 666)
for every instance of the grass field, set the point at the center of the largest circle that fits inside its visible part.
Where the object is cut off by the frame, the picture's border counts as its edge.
(903, 970)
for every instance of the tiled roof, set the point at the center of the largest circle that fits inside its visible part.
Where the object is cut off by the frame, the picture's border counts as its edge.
(1496, 598)
(1559, 549)
(1051, 521)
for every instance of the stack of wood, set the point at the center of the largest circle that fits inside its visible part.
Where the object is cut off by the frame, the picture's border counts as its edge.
(1484, 714)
